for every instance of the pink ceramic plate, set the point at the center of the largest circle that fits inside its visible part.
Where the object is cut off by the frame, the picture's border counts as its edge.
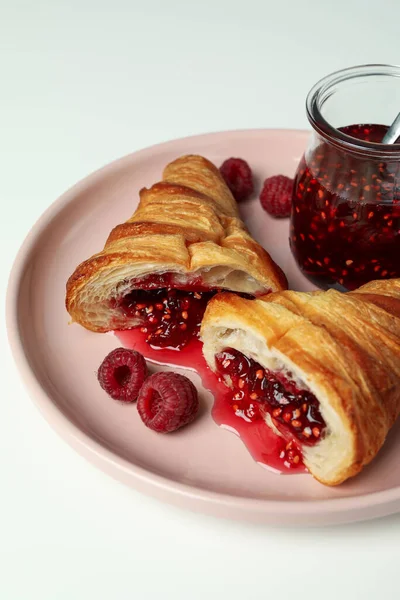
(201, 467)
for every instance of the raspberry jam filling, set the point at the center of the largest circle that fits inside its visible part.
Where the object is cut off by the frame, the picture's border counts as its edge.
(168, 317)
(256, 391)
(345, 225)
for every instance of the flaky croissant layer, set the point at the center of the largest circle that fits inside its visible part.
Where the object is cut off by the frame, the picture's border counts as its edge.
(187, 225)
(343, 348)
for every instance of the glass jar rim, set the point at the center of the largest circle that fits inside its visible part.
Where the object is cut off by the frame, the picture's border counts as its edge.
(322, 90)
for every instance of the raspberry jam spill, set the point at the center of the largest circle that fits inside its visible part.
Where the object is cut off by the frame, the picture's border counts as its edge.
(345, 224)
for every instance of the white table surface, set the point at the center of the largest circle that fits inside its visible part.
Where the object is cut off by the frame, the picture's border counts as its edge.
(81, 83)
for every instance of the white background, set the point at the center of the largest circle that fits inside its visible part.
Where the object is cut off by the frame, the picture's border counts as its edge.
(81, 83)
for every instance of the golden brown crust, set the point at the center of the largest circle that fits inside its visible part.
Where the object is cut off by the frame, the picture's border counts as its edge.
(187, 224)
(345, 347)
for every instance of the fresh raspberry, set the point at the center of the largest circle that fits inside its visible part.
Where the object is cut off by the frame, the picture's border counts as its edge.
(276, 195)
(122, 373)
(167, 401)
(238, 177)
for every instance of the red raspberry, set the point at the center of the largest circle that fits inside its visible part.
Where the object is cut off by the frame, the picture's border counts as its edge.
(122, 373)
(276, 195)
(238, 177)
(167, 401)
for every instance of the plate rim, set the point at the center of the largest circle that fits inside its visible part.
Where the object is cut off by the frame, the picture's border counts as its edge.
(311, 512)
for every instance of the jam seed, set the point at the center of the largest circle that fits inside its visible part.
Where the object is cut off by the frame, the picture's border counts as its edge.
(153, 320)
(307, 431)
(140, 306)
(276, 412)
(158, 331)
(197, 295)
(289, 445)
(291, 455)
(159, 307)
(166, 317)
(143, 329)
(241, 384)
(226, 364)
(349, 262)
(296, 413)
(259, 374)
(316, 432)
(304, 407)
(184, 314)
(183, 326)
(287, 416)
(384, 273)
(253, 396)
(370, 215)
(149, 309)
(296, 459)
(296, 423)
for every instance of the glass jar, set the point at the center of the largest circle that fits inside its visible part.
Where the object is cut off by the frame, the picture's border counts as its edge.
(345, 222)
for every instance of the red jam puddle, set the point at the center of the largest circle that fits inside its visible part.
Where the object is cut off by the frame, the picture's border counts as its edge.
(294, 411)
(345, 224)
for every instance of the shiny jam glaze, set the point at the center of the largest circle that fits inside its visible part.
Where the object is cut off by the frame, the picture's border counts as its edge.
(256, 391)
(169, 317)
(345, 223)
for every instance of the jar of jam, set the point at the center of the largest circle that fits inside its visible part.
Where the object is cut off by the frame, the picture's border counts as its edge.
(345, 222)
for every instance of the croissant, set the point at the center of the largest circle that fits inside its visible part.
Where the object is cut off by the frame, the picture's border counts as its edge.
(185, 234)
(329, 365)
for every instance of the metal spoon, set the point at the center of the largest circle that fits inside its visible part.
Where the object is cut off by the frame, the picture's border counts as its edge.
(393, 132)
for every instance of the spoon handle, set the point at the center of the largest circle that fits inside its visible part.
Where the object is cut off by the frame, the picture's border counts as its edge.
(393, 132)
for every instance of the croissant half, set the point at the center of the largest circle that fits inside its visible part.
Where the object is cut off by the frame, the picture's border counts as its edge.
(186, 230)
(344, 349)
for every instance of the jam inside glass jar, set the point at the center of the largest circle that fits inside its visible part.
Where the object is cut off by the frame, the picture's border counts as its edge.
(345, 222)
